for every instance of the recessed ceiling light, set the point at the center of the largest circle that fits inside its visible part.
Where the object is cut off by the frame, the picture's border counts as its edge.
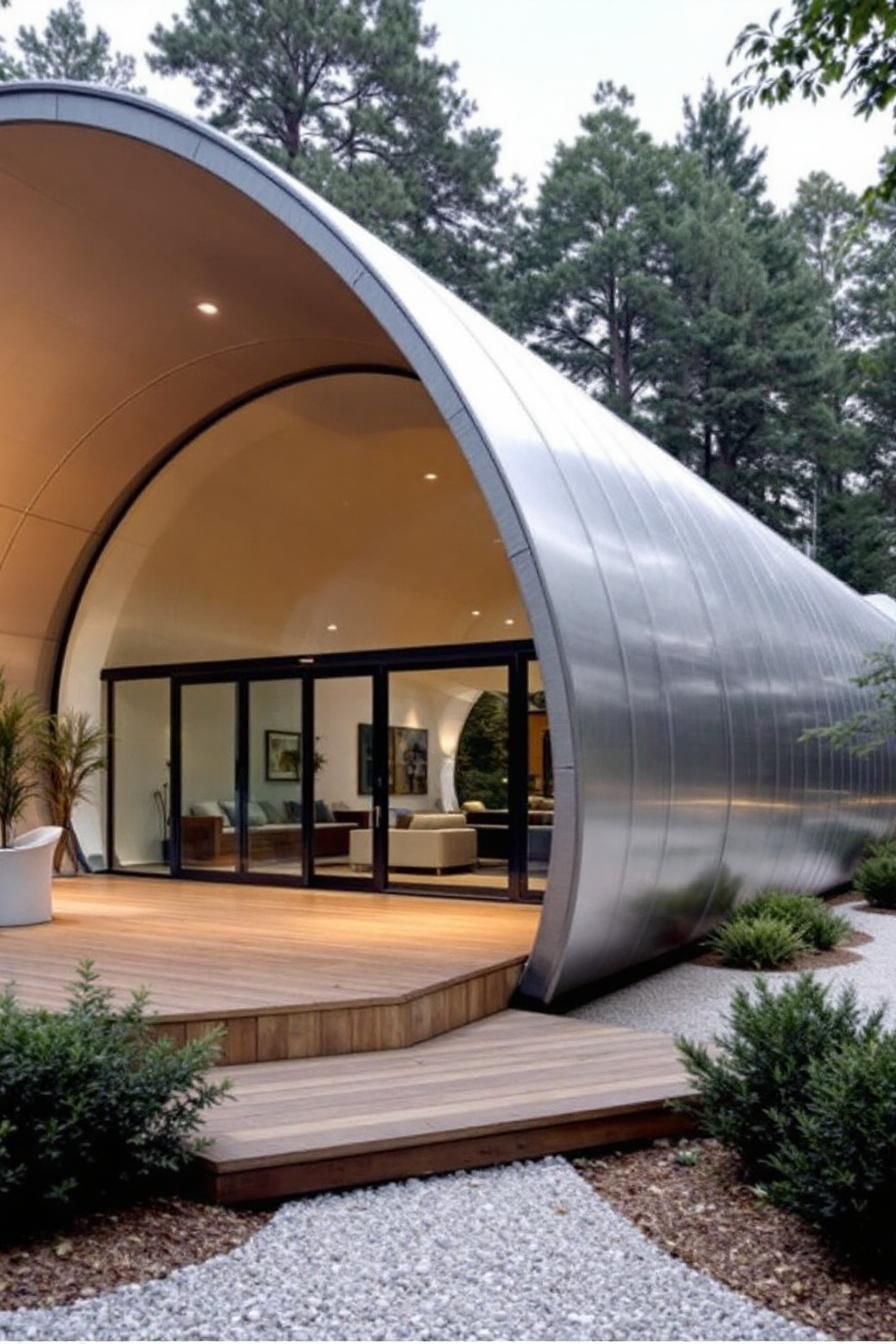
(306, 660)
(475, 613)
(509, 621)
(430, 476)
(332, 627)
(207, 309)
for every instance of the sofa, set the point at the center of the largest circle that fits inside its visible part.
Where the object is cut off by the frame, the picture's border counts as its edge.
(433, 842)
(208, 833)
(492, 826)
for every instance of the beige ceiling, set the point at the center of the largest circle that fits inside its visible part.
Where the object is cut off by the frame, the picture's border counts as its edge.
(307, 508)
(106, 246)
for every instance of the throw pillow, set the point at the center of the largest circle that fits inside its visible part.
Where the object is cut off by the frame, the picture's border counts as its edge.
(323, 811)
(206, 810)
(292, 810)
(255, 814)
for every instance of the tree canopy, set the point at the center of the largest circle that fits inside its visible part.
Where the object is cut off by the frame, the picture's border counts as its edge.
(66, 49)
(823, 43)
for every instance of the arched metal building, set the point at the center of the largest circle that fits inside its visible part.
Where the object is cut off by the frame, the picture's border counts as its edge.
(684, 647)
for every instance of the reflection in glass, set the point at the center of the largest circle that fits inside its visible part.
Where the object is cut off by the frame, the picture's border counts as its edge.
(540, 785)
(141, 755)
(449, 823)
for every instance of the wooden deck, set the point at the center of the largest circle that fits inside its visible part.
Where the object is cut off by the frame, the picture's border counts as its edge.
(287, 974)
(512, 1086)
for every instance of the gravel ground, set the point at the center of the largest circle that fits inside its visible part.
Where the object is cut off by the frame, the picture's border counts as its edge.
(520, 1252)
(693, 1000)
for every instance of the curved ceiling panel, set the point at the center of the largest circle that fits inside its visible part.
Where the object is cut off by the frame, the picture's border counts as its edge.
(684, 647)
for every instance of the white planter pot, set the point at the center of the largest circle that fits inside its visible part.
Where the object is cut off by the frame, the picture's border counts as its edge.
(26, 878)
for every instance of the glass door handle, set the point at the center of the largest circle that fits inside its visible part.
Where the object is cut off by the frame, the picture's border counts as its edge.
(377, 816)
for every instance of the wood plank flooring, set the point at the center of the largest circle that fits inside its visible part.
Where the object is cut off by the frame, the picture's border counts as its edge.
(286, 974)
(514, 1085)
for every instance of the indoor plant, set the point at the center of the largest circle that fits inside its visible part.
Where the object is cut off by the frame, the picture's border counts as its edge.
(71, 749)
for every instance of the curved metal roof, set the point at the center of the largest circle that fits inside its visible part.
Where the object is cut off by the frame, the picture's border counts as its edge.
(684, 646)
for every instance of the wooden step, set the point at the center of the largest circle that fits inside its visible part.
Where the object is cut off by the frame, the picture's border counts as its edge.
(511, 1086)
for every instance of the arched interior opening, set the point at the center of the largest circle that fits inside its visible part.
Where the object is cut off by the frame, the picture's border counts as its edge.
(323, 524)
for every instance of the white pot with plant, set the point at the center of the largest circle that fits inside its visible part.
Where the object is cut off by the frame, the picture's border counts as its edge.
(26, 861)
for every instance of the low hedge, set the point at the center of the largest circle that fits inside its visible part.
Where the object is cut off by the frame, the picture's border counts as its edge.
(802, 1086)
(876, 877)
(774, 928)
(93, 1107)
(807, 915)
(760, 942)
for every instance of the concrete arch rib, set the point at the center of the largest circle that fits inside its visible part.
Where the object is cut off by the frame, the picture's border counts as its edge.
(597, 523)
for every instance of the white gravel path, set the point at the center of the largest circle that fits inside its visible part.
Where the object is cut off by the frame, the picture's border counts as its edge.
(693, 1000)
(520, 1252)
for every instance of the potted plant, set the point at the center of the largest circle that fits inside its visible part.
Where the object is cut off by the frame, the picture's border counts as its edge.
(20, 719)
(71, 749)
(26, 861)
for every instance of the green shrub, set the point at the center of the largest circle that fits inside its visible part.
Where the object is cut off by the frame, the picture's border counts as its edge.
(92, 1107)
(876, 877)
(807, 915)
(837, 1166)
(761, 942)
(752, 1088)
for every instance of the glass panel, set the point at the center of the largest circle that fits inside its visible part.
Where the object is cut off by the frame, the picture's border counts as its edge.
(448, 797)
(343, 776)
(209, 836)
(541, 785)
(141, 752)
(274, 813)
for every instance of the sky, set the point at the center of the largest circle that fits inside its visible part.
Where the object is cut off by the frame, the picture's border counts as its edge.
(532, 67)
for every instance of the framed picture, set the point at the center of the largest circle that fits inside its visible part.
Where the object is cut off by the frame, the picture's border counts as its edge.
(410, 754)
(282, 755)
(408, 759)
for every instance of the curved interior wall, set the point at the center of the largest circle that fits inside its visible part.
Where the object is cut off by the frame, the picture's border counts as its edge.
(684, 647)
(333, 515)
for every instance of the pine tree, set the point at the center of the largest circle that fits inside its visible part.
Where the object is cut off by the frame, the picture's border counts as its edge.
(741, 358)
(719, 139)
(65, 49)
(348, 96)
(585, 291)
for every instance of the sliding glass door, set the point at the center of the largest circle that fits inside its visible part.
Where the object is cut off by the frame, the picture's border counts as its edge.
(347, 781)
(274, 744)
(449, 779)
(206, 795)
(399, 771)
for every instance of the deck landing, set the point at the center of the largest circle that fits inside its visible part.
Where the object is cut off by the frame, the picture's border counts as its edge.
(513, 1086)
(286, 974)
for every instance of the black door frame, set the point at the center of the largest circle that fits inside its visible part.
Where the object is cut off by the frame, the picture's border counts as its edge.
(306, 670)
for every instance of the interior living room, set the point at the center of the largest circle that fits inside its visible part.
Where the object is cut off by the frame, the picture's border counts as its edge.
(311, 652)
